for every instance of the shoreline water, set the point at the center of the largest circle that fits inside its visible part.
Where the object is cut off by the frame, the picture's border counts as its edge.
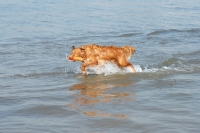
(41, 91)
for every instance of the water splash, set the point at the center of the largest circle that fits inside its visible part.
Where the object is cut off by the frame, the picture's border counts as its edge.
(111, 68)
(170, 66)
(174, 65)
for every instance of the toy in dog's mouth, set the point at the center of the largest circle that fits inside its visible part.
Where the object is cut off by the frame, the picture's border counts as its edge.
(76, 59)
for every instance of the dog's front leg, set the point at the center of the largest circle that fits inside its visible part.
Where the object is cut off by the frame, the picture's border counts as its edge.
(86, 64)
(83, 69)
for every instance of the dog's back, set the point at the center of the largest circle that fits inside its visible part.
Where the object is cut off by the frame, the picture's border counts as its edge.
(108, 51)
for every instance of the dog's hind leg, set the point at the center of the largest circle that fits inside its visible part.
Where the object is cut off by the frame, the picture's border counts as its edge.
(124, 63)
(132, 67)
(116, 62)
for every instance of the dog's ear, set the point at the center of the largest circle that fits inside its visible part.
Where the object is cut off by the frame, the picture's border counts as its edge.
(73, 47)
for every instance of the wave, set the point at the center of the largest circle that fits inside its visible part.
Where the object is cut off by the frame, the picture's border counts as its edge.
(42, 110)
(59, 72)
(26, 75)
(128, 35)
(160, 32)
(174, 65)
(103, 36)
(170, 66)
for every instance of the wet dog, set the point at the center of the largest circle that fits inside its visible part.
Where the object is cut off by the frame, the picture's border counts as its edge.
(93, 54)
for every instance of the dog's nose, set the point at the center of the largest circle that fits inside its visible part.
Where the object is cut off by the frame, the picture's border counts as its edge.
(70, 58)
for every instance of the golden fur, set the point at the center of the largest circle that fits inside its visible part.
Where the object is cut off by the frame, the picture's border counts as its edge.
(93, 54)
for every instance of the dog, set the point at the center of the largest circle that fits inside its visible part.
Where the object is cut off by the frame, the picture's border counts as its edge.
(94, 54)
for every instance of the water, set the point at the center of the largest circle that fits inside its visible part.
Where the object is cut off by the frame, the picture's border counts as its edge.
(41, 91)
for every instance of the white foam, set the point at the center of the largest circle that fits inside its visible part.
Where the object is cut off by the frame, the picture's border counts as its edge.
(138, 68)
(111, 68)
(164, 68)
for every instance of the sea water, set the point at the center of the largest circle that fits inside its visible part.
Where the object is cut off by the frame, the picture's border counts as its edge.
(42, 91)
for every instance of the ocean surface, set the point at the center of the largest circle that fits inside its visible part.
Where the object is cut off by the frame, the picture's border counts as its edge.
(42, 91)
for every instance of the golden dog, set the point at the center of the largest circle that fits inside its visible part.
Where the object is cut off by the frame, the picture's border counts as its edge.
(93, 54)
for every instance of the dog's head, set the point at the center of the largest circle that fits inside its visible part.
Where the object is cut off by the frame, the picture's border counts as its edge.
(78, 54)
